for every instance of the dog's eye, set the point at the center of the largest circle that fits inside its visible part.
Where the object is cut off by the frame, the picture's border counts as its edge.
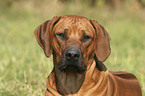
(61, 35)
(86, 38)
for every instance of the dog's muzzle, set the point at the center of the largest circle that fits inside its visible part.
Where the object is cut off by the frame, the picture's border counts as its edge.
(72, 60)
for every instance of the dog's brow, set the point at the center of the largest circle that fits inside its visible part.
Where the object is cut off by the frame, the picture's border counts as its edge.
(85, 33)
(62, 31)
(65, 30)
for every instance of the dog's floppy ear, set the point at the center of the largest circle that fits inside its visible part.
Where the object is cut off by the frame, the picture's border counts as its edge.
(102, 50)
(42, 34)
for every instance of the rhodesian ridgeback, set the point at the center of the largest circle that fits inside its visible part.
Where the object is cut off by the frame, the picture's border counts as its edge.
(79, 46)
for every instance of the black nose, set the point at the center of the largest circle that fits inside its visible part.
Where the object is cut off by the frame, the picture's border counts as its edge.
(72, 54)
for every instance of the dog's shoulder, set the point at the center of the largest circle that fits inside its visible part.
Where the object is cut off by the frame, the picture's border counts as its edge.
(125, 83)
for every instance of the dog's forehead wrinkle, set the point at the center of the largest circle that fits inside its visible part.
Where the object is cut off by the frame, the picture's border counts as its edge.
(74, 20)
(75, 24)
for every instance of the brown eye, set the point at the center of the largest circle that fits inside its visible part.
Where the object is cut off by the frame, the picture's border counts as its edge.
(61, 35)
(86, 38)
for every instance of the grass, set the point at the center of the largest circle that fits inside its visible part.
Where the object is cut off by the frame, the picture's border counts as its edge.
(23, 65)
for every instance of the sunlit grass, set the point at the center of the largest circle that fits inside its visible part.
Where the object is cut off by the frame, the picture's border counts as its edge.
(24, 67)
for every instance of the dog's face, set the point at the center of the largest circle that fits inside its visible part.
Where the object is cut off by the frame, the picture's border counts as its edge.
(74, 40)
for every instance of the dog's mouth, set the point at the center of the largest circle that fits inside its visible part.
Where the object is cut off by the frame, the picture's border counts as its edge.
(77, 68)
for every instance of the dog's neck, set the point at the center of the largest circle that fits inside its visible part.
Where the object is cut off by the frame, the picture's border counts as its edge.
(71, 82)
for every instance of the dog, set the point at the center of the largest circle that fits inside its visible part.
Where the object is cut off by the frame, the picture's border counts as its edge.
(80, 46)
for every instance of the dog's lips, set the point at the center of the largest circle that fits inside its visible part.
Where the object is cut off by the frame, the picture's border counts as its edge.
(79, 69)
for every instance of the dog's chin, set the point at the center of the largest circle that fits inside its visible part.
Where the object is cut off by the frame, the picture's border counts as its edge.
(71, 67)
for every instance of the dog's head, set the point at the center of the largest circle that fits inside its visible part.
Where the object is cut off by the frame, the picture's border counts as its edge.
(74, 41)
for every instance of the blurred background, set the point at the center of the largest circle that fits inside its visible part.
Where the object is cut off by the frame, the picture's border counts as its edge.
(23, 65)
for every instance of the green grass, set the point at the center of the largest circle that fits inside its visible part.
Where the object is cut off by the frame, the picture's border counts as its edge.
(23, 65)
